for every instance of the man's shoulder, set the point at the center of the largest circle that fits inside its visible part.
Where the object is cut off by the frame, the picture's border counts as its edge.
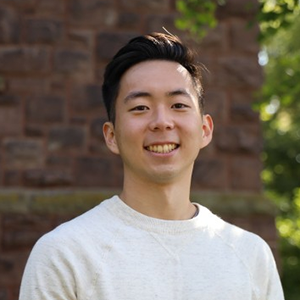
(85, 226)
(232, 235)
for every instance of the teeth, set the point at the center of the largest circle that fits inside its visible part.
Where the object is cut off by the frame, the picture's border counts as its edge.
(162, 148)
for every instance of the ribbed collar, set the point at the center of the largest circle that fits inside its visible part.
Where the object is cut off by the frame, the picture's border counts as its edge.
(133, 218)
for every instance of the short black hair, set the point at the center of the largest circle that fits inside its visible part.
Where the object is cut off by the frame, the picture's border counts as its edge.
(154, 46)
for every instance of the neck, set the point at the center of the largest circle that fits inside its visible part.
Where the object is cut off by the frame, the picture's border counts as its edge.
(168, 201)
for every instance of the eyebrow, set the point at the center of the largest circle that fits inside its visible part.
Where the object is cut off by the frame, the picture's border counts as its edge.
(179, 92)
(136, 94)
(139, 94)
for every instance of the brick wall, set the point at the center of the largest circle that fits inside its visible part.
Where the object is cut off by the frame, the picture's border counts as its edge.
(52, 56)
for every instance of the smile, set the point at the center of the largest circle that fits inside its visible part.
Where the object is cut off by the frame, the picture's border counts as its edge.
(162, 148)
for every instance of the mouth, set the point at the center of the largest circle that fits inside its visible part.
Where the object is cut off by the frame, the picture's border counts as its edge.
(165, 148)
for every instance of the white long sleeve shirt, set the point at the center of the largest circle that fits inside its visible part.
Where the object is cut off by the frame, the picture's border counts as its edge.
(113, 252)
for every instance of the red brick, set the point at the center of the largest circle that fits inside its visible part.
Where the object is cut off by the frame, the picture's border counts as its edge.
(243, 113)
(47, 178)
(12, 265)
(34, 131)
(265, 227)
(51, 8)
(82, 39)
(29, 84)
(15, 289)
(5, 265)
(10, 121)
(71, 60)
(9, 25)
(66, 139)
(216, 104)
(155, 23)
(79, 120)
(23, 153)
(58, 162)
(241, 107)
(86, 98)
(237, 8)
(23, 230)
(100, 172)
(2, 182)
(3, 85)
(240, 71)
(98, 148)
(76, 64)
(58, 83)
(216, 39)
(96, 128)
(129, 20)
(243, 37)
(108, 44)
(45, 109)
(24, 59)
(9, 99)
(22, 5)
(44, 31)
(245, 173)
(92, 13)
(238, 139)
(209, 71)
(12, 178)
(210, 173)
(4, 294)
(142, 5)
(97, 144)
(242, 96)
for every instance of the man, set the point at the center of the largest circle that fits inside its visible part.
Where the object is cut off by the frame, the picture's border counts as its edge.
(151, 242)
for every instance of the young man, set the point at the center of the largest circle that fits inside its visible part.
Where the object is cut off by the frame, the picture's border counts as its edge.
(151, 242)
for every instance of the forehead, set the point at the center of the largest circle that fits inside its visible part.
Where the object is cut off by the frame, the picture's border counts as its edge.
(155, 73)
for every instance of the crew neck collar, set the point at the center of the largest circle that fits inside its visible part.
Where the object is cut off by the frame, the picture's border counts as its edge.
(136, 219)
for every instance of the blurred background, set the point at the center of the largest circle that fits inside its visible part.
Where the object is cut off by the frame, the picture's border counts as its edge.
(54, 164)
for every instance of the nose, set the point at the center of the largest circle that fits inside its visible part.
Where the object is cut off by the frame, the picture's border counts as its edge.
(161, 120)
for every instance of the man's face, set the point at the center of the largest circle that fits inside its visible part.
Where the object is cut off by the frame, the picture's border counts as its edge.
(159, 128)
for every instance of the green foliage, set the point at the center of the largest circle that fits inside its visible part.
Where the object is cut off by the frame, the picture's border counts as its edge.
(289, 229)
(275, 14)
(289, 226)
(197, 16)
(280, 112)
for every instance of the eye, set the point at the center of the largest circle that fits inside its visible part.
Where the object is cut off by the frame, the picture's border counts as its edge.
(140, 108)
(179, 106)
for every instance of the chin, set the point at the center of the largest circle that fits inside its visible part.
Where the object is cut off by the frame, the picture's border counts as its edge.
(164, 176)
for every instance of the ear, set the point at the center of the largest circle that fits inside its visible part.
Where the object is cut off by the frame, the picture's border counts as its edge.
(110, 137)
(207, 130)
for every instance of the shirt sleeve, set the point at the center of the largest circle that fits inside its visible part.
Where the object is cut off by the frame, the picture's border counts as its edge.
(48, 274)
(275, 290)
(267, 279)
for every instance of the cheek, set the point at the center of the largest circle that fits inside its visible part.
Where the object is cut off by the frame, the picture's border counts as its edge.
(194, 129)
(195, 136)
(127, 135)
